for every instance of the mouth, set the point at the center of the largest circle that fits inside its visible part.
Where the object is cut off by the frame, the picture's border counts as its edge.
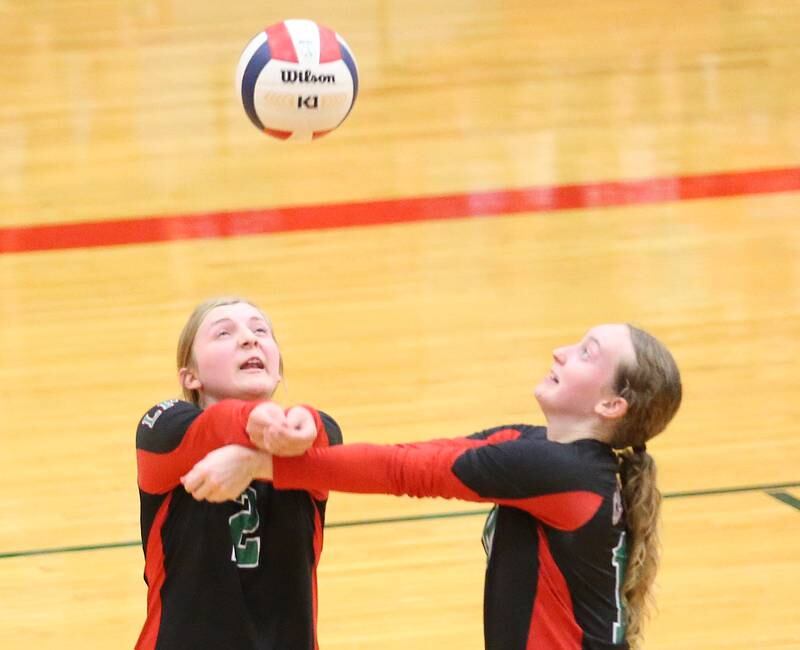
(253, 363)
(553, 377)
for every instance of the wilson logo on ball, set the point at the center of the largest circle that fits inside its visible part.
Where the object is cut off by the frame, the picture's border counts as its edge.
(296, 52)
(305, 77)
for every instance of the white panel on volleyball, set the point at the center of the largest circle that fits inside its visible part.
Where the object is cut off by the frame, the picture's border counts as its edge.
(305, 37)
(305, 97)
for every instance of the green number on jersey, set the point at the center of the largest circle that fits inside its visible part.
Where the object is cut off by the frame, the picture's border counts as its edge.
(246, 546)
(487, 539)
(620, 562)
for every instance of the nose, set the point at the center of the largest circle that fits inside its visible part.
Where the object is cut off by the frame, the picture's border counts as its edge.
(560, 355)
(247, 338)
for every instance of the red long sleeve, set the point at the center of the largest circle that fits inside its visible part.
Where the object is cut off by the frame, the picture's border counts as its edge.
(161, 467)
(414, 470)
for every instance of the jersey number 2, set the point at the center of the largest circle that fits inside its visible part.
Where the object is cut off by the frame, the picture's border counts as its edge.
(246, 546)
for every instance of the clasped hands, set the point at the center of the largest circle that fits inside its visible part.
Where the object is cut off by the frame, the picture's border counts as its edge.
(226, 472)
(279, 432)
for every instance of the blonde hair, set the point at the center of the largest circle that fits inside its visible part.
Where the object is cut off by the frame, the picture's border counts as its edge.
(185, 356)
(652, 388)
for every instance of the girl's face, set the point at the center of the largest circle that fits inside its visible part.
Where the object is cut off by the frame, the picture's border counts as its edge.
(234, 356)
(582, 376)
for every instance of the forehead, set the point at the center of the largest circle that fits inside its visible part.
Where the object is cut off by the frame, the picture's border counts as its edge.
(615, 341)
(240, 311)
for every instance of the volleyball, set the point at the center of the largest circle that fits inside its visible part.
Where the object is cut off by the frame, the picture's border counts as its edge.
(297, 80)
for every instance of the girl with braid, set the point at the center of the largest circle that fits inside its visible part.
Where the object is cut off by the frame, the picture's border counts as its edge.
(572, 541)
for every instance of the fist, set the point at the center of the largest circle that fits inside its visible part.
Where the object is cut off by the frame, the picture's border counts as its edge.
(303, 428)
(282, 434)
(266, 421)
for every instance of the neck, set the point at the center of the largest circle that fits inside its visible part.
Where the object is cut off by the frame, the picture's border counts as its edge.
(564, 429)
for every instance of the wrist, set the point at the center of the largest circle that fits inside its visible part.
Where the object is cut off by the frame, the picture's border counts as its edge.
(262, 466)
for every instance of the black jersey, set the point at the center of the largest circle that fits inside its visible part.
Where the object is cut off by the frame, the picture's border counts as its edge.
(239, 575)
(555, 541)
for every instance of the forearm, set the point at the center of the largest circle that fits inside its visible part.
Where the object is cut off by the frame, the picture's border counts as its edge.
(413, 470)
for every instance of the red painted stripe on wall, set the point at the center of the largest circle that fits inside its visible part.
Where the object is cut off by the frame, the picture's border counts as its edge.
(369, 213)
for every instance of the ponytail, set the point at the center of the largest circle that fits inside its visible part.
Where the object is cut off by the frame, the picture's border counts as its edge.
(642, 502)
(652, 389)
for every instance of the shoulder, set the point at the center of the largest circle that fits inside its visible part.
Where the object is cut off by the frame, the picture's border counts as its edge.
(530, 431)
(512, 432)
(596, 452)
(165, 423)
(332, 429)
(167, 410)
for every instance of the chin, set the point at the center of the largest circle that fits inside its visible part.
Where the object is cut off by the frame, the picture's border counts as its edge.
(258, 391)
(544, 400)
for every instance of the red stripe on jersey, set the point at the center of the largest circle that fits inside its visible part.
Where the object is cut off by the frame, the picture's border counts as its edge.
(565, 511)
(328, 45)
(320, 441)
(280, 43)
(318, 538)
(553, 624)
(154, 573)
(503, 435)
(322, 436)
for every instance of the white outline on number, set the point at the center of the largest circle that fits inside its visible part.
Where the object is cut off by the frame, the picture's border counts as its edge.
(247, 499)
(619, 625)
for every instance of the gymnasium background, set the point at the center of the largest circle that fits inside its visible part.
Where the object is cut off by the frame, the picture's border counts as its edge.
(512, 174)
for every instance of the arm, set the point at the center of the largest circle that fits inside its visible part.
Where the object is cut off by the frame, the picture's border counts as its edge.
(417, 469)
(174, 435)
(224, 473)
(328, 435)
(534, 475)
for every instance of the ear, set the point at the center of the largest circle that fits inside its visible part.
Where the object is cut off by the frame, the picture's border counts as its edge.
(189, 380)
(612, 408)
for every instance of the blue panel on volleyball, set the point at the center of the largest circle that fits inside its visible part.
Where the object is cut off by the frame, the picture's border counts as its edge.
(351, 65)
(257, 62)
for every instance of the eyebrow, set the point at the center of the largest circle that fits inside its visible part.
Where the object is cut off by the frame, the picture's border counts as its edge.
(225, 319)
(595, 341)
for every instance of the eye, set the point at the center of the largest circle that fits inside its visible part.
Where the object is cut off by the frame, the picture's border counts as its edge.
(584, 352)
(222, 333)
(262, 330)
